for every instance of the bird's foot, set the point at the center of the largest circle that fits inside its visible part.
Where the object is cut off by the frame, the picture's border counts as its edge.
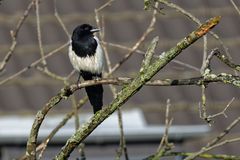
(96, 78)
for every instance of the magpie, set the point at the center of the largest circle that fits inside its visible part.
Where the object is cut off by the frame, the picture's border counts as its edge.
(86, 56)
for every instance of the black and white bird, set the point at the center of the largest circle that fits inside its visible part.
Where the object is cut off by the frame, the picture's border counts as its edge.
(86, 56)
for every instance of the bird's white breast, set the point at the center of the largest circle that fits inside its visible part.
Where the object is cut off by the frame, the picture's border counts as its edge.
(92, 64)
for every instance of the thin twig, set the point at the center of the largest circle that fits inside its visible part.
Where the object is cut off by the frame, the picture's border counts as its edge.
(235, 6)
(43, 149)
(70, 74)
(196, 20)
(203, 106)
(50, 74)
(164, 144)
(226, 60)
(164, 141)
(60, 20)
(35, 63)
(224, 133)
(139, 42)
(108, 3)
(14, 34)
(204, 51)
(203, 155)
(210, 117)
(214, 143)
(155, 56)
(39, 35)
(102, 35)
(212, 147)
(206, 68)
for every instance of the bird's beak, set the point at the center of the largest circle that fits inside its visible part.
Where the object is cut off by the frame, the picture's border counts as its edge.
(94, 30)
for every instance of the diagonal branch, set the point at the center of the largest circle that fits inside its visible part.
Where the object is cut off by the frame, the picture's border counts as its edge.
(235, 6)
(14, 34)
(60, 20)
(129, 90)
(226, 60)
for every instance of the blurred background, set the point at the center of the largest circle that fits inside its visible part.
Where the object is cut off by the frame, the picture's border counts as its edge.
(124, 23)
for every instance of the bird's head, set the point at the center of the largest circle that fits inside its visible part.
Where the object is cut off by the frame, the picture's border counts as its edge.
(83, 31)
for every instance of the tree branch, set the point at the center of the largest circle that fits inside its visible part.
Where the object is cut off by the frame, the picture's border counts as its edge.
(214, 143)
(130, 89)
(203, 155)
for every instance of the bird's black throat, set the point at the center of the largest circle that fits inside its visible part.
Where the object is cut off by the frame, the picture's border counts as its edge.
(85, 46)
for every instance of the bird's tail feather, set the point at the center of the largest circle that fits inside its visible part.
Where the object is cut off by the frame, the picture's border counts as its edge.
(95, 93)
